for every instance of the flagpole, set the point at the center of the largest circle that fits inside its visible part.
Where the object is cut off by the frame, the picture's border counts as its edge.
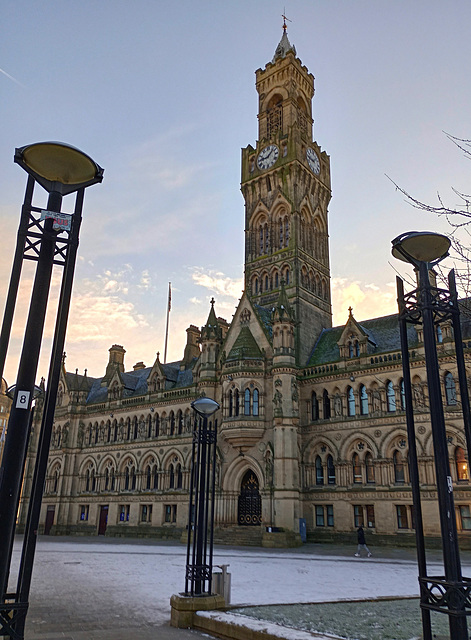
(169, 306)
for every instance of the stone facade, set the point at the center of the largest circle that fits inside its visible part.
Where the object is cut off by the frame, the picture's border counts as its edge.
(312, 423)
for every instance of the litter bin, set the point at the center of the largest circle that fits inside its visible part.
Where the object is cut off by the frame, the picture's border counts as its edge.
(222, 583)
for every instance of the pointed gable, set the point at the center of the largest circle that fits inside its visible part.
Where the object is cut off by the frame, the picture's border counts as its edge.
(249, 333)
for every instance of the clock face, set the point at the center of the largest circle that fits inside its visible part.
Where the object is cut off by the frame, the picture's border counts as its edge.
(313, 160)
(268, 156)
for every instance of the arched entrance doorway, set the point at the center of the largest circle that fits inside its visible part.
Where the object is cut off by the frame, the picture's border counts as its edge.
(249, 511)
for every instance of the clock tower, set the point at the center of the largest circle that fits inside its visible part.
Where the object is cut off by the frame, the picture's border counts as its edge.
(286, 188)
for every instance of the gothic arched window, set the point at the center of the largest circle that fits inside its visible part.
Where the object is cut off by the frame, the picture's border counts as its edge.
(363, 400)
(461, 464)
(255, 402)
(369, 468)
(319, 471)
(402, 388)
(314, 407)
(350, 402)
(399, 476)
(326, 404)
(356, 467)
(247, 402)
(330, 470)
(390, 396)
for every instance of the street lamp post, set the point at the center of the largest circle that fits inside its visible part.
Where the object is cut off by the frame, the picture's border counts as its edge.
(199, 557)
(47, 237)
(429, 305)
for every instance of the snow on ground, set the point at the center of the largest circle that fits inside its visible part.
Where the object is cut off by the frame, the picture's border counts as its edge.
(136, 578)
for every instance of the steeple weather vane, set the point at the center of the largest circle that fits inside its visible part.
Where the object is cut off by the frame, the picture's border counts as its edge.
(285, 26)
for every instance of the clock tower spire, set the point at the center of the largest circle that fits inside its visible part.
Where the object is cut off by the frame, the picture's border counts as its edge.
(286, 188)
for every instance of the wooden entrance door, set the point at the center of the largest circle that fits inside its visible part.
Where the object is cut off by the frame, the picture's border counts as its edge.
(49, 519)
(103, 520)
(250, 501)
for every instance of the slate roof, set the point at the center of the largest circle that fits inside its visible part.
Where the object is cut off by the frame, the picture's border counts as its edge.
(135, 382)
(383, 337)
(264, 316)
(245, 346)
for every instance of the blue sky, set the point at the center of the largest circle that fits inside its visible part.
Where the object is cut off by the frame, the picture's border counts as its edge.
(161, 94)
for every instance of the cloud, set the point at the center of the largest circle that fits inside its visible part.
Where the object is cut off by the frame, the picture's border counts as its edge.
(367, 300)
(218, 283)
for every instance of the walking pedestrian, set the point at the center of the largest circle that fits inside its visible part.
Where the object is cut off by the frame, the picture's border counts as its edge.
(362, 543)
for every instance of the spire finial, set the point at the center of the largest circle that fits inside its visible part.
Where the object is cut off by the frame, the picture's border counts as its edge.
(285, 26)
(350, 310)
(212, 301)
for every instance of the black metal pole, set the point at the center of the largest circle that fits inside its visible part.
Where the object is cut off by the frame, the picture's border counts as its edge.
(413, 463)
(15, 274)
(34, 507)
(213, 496)
(11, 471)
(191, 512)
(200, 529)
(451, 556)
(464, 393)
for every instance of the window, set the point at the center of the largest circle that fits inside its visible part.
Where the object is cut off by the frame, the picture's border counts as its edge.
(358, 515)
(357, 476)
(146, 513)
(330, 470)
(403, 394)
(319, 471)
(439, 334)
(461, 465)
(123, 511)
(450, 390)
(357, 348)
(370, 516)
(364, 514)
(247, 402)
(330, 515)
(390, 396)
(84, 509)
(326, 404)
(350, 402)
(363, 400)
(399, 477)
(401, 513)
(231, 404)
(324, 515)
(255, 402)
(170, 512)
(236, 407)
(465, 517)
(179, 476)
(314, 407)
(369, 468)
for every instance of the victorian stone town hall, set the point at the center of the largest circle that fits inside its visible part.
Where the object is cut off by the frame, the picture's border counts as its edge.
(311, 428)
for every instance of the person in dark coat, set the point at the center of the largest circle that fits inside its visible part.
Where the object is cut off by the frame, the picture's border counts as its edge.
(362, 543)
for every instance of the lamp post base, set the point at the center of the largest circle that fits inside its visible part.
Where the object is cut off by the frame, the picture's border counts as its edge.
(183, 608)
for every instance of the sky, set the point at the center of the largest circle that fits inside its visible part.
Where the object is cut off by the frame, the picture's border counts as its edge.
(162, 95)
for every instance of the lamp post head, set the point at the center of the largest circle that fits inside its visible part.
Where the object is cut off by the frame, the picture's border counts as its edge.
(421, 246)
(205, 406)
(58, 167)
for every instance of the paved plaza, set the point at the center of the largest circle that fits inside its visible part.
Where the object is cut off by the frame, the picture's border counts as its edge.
(112, 589)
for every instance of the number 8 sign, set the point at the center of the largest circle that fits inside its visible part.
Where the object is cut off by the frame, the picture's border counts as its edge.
(22, 399)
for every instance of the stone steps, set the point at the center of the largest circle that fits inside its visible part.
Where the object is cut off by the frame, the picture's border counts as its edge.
(239, 536)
